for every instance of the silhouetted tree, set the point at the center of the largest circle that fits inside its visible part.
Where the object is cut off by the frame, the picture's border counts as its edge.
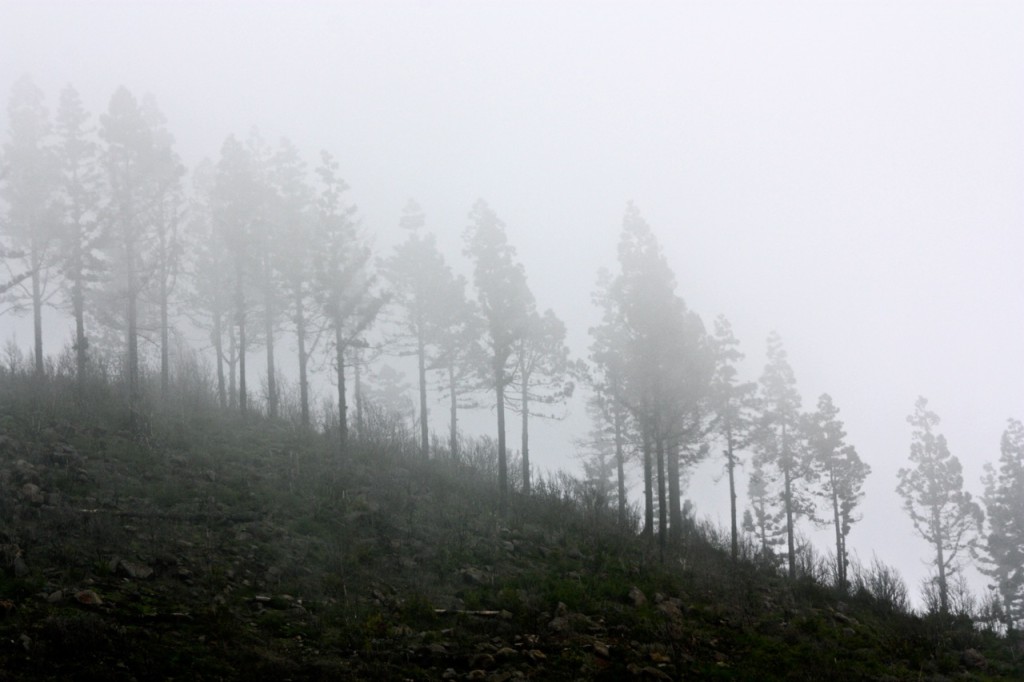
(209, 297)
(420, 282)
(30, 183)
(666, 364)
(235, 201)
(80, 187)
(140, 171)
(544, 375)
(777, 442)
(732, 404)
(457, 333)
(840, 473)
(1003, 546)
(505, 303)
(346, 289)
(933, 496)
(165, 218)
(294, 218)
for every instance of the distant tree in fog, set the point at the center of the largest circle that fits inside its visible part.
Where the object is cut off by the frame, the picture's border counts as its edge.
(764, 518)
(506, 303)
(457, 333)
(839, 473)
(166, 219)
(544, 376)
(235, 203)
(609, 404)
(345, 286)
(209, 299)
(294, 218)
(141, 173)
(942, 512)
(79, 197)
(777, 443)
(420, 282)
(1002, 547)
(732, 404)
(29, 188)
(663, 369)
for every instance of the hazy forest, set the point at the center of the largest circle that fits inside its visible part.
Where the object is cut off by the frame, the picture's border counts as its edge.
(232, 421)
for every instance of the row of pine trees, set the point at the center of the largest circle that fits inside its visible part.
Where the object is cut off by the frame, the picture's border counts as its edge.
(101, 220)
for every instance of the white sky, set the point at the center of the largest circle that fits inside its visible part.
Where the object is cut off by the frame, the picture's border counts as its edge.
(850, 174)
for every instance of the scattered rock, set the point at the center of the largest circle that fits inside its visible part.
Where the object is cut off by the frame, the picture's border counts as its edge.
(481, 661)
(33, 493)
(972, 658)
(130, 569)
(55, 597)
(88, 598)
(601, 649)
(637, 597)
(474, 576)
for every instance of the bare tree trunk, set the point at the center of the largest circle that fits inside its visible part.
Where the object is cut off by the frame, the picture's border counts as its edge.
(165, 359)
(78, 304)
(731, 466)
(620, 465)
(268, 306)
(240, 309)
(940, 561)
(840, 549)
(357, 363)
(659, 449)
(499, 391)
(648, 484)
(37, 316)
(453, 416)
(787, 500)
(300, 334)
(675, 524)
(342, 405)
(526, 435)
(218, 347)
(232, 362)
(424, 428)
(133, 362)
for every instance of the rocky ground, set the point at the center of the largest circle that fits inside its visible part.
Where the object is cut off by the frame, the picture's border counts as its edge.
(219, 551)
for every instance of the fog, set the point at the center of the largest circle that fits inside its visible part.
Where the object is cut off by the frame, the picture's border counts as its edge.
(848, 175)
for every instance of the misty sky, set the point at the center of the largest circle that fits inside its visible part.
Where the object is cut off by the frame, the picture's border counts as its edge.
(849, 174)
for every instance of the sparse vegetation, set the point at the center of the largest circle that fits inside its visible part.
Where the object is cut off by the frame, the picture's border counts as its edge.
(209, 549)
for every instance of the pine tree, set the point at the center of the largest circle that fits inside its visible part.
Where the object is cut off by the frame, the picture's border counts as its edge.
(421, 282)
(1003, 546)
(234, 202)
(777, 441)
(80, 187)
(933, 496)
(841, 474)
(141, 171)
(732, 403)
(294, 219)
(664, 367)
(544, 375)
(505, 303)
(346, 288)
(30, 185)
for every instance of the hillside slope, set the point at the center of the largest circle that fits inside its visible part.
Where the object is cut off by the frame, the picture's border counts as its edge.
(213, 548)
